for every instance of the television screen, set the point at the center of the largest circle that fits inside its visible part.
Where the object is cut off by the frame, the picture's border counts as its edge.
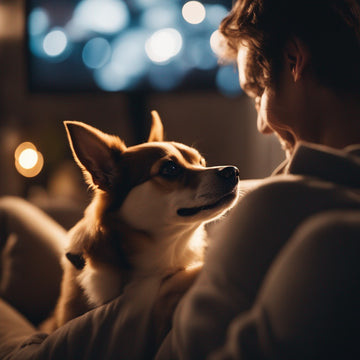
(126, 45)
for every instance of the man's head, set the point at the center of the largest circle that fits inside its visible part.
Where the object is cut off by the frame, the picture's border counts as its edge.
(329, 28)
(282, 42)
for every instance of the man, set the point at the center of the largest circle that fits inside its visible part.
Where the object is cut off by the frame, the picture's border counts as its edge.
(301, 65)
(281, 279)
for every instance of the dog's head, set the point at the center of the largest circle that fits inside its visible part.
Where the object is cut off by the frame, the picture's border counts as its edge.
(156, 186)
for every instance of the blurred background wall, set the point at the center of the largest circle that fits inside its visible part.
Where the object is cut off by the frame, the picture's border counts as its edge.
(222, 128)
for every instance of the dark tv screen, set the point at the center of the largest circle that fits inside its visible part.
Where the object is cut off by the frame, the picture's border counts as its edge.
(126, 45)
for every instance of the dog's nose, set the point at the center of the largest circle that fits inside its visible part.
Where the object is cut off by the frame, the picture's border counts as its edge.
(230, 173)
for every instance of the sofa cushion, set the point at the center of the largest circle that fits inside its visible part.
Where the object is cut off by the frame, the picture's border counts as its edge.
(31, 247)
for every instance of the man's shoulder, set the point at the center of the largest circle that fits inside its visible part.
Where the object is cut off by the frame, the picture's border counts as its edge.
(288, 187)
(283, 195)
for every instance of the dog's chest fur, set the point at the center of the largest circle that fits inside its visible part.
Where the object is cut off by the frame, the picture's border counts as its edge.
(118, 255)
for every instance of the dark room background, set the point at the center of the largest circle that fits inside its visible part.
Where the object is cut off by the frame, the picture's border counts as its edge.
(222, 127)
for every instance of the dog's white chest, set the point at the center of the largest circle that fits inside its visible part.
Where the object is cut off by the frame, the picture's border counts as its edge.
(100, 285)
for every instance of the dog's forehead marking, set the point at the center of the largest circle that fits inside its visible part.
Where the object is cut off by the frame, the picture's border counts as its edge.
(149, 153)
(190, 154)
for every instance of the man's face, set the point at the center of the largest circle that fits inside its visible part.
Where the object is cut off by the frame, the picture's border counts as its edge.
(276, 106)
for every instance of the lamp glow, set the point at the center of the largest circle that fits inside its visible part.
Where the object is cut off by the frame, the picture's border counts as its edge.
(28, 158)
(28, 161)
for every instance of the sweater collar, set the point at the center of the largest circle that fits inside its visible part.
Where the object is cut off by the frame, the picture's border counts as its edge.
(339, 166)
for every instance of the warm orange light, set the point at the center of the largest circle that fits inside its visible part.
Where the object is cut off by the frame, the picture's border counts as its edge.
(28, 160)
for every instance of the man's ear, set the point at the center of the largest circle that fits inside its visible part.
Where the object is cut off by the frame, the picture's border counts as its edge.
(297, 57)
(157, 129)
(94, 152)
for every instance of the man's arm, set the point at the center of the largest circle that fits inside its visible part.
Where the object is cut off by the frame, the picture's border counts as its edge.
(308, 306)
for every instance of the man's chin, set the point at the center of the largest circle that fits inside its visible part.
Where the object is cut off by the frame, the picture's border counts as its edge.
(263, 127)
(287, 143)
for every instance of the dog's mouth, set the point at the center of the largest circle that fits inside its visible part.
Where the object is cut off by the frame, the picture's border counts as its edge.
(195, 210)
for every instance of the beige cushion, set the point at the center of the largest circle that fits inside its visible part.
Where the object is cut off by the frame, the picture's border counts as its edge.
(31, 248)
(14, 330)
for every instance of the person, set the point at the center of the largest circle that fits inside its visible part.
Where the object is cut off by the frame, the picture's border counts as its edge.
(281, 279)
(281, 276)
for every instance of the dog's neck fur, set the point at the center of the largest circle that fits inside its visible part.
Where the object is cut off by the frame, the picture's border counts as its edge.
(170, 250)
(159, 256)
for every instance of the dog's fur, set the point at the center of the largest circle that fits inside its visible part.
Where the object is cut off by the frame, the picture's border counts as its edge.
(146, 219)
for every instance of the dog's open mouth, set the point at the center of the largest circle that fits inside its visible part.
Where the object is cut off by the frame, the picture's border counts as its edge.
(195, 210)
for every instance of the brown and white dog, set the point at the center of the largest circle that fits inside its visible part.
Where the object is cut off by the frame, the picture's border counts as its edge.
(146, 220)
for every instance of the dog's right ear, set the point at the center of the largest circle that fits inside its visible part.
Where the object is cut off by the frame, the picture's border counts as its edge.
(94, 151)
(157, 129)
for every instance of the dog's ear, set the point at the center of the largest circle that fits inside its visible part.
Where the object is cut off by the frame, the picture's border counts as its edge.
(95, 152)
(157, 129)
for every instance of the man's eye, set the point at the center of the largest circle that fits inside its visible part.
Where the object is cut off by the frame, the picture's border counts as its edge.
(170, 170)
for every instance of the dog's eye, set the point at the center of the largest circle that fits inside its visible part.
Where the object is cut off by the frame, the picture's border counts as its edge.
(170, 170)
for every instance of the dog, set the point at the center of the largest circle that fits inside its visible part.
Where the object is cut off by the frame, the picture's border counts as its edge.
(146, 220)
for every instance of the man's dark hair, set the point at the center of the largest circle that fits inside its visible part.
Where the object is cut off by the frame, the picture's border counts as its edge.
(329, 28)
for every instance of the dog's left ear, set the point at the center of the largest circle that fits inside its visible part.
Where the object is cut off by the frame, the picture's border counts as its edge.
(95, 152)
(157, 129)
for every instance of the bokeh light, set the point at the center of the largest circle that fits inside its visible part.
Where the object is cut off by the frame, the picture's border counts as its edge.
(215, 13)
(96, 53)
(55, 42)
(28, 160)
(163, 45)
(129, 52)
(102, 16)
(38, 21)
(158, 17)
(217, 43)
(194, 12)
(122, 45)
(128, 63)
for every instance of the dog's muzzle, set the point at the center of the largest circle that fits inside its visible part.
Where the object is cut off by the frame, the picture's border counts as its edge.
(226, 180)
(230, 174)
